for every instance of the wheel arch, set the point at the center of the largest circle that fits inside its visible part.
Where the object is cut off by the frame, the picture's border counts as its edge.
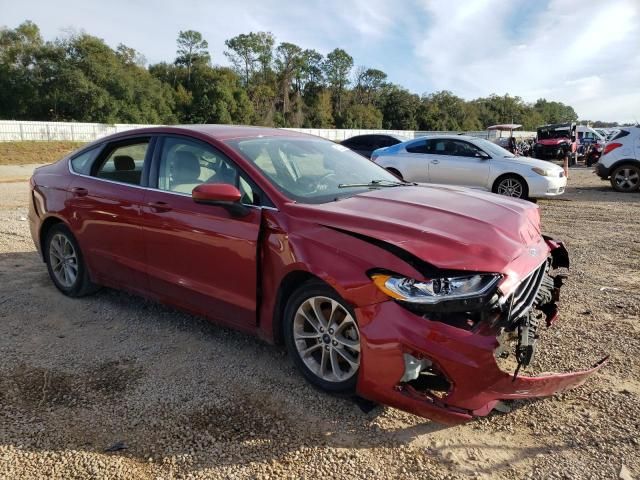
(494, 186)
(288, 285)
(44, 229)
(624, 161)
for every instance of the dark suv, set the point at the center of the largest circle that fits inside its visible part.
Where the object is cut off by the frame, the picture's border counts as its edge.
(366, 144)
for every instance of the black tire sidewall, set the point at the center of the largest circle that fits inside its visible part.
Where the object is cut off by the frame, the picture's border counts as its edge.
(309, 289)
(81, 283)
(613, 182)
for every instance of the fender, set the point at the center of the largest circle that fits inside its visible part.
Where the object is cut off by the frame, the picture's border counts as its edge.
(623, 161)
(313, 249)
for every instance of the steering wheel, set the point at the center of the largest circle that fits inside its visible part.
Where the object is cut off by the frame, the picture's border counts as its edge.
(321, 180)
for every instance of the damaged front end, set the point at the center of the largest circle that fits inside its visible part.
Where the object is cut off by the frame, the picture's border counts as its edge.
(442, 359)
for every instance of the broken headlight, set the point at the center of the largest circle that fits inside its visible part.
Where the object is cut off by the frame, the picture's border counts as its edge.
(435, 290)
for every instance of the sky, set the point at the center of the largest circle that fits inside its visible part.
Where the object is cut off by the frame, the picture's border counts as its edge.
(585, 53)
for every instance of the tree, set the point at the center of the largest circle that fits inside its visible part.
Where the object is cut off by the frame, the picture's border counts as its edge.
(20, 79)
(130, 56)
(337, 67)
(399, 108)
(310, 75)
(320, 111)
(368, 83)
(79, 77)
(288, 62)
(362, 116)
(445, 111)
(248, 51)
(555, 112)
(192, 48)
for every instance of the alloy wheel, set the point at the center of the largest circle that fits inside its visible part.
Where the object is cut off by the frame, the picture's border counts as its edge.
(64, 260)
(510, 187)
(327, 339)
(627, 178)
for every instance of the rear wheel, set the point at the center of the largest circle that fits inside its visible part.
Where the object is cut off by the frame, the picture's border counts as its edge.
(322, 338)
(511, 186)
(626, 178)
(65, 263)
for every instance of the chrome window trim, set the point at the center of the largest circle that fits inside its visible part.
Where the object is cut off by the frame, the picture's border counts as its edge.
(72, 172)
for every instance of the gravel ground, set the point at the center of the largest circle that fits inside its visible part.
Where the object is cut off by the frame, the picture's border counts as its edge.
(177, 397)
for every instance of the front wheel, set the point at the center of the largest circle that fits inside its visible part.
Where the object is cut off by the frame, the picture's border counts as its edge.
(65, 263)
(626, 178)
(322, 338)
(511, 186)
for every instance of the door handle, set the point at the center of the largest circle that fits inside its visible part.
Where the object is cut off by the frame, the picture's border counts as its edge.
(79, 191)
(435, 162)
(159, 206)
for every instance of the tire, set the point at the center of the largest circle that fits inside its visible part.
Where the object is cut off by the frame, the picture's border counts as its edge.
(626, 178)
(320, 349)
(395, 172)
(65, 263)
(511, 183)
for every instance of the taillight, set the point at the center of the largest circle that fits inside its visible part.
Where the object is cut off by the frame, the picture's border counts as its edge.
(610, 147)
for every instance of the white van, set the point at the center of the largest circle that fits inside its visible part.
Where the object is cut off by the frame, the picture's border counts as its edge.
(587, 135)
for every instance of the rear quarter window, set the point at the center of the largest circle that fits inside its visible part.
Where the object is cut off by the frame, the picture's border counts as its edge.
(82, 163)
(621, 134)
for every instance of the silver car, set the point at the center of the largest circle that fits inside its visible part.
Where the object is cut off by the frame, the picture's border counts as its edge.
(471, 162)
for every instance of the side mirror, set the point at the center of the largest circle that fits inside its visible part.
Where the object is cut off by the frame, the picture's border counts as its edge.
(482, 155)
(221, 195)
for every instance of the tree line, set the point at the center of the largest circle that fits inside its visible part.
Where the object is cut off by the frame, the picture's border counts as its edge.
(78, 77)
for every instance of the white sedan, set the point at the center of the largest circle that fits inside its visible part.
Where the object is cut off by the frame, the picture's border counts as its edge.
(471, 162)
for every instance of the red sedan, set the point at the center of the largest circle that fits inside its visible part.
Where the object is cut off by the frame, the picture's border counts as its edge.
(405, 294)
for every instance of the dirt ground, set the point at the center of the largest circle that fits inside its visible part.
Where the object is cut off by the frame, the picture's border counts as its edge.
(177, 397)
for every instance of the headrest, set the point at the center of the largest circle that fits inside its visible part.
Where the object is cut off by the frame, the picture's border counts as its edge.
(186, 167)
(123, 162)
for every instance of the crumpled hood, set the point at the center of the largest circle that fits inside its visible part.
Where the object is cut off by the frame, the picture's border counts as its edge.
(449, 227)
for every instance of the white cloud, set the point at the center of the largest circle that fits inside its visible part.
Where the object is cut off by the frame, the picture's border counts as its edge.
(581, 52)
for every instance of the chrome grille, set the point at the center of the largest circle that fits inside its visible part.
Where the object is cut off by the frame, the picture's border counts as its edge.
(524, 296)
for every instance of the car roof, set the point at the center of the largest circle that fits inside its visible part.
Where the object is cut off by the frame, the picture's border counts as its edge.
(216, 132)
(400, 138)
(447, 137)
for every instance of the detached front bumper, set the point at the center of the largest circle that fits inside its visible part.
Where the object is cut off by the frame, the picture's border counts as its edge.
(465, 358)
(463, 378)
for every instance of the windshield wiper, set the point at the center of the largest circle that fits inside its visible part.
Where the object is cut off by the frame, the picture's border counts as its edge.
(376, 183)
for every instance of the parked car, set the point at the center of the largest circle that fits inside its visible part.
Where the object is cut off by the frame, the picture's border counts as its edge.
(620, 160)
(471, 162)
(400, 292)
(555, 141)
(366, 144)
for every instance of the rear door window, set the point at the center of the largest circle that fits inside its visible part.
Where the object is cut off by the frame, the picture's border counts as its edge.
(123, 162)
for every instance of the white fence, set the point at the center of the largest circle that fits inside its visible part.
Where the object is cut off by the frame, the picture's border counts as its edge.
(15, 131)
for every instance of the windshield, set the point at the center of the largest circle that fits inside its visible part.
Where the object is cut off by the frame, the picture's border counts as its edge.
(312, 171)
(549, 134)
(495, 151)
